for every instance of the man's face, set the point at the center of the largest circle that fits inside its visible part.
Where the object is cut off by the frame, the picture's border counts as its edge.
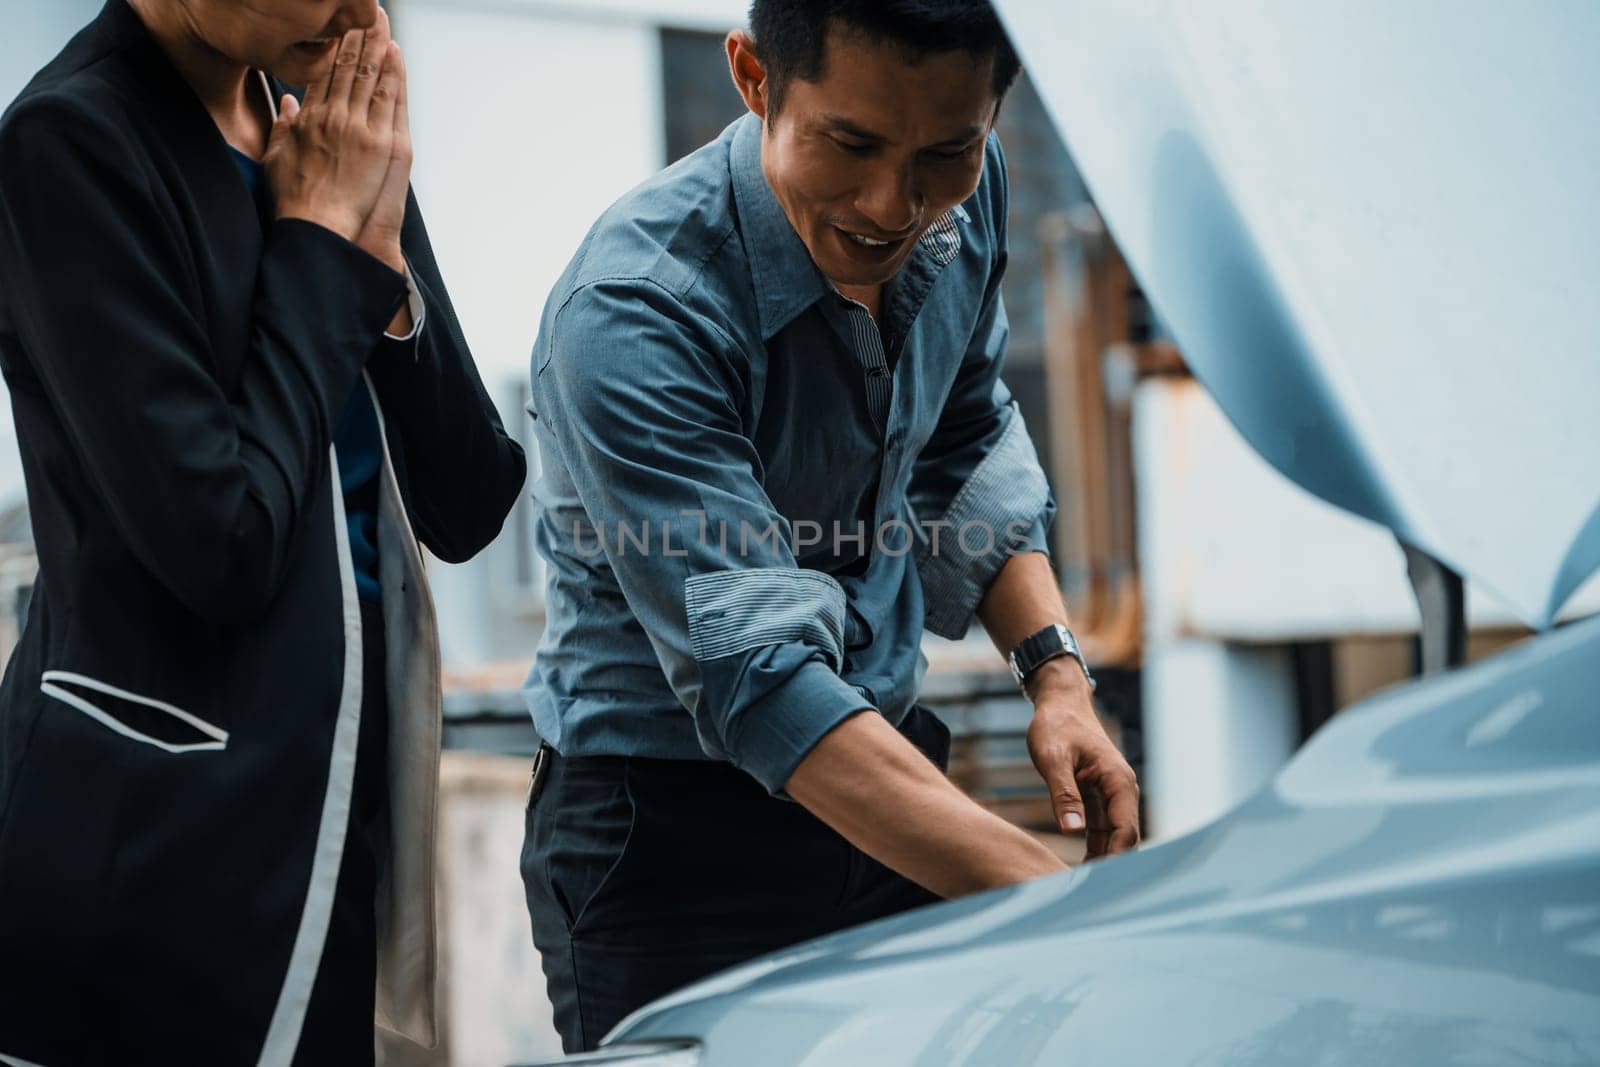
(288, 38)
(864, 159)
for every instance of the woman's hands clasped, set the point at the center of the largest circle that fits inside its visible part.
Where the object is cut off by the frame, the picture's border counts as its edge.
(342, 157)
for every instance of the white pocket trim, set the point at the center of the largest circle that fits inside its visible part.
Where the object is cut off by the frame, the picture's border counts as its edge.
(15, 1061)
(49, 687)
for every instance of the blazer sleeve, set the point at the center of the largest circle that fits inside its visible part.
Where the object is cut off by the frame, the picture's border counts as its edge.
(208, 490)
(463, 471)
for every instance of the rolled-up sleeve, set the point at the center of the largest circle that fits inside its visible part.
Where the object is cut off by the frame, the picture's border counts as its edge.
(641, 397)
(978, 491)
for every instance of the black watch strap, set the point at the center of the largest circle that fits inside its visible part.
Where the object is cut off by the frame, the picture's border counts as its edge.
(1043, 646)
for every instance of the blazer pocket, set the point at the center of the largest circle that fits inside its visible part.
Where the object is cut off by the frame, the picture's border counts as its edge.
(153, 722)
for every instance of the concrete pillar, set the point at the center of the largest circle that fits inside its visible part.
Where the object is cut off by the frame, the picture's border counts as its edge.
(1219, 721)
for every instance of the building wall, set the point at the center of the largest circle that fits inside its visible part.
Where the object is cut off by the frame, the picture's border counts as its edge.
(34, 30)
(528, 120)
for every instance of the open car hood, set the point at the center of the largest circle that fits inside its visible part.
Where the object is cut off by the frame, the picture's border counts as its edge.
(1373, 230)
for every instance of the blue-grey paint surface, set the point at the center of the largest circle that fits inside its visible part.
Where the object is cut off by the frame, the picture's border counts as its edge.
(1420, 885)
(1374, 232)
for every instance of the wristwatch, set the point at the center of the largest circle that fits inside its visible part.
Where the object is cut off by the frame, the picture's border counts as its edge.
(1039, 648)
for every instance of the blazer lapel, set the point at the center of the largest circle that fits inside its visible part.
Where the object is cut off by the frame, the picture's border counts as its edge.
(229, 234)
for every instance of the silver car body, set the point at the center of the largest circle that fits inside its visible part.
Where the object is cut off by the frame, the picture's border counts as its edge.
(1375, 231)
(1421, 885)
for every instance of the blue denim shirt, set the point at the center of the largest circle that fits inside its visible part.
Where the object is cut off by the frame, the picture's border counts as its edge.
(754, 497)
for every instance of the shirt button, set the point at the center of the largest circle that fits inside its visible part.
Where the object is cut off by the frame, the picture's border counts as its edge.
(879, 372)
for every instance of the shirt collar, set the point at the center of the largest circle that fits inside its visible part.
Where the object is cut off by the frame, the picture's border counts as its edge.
(787, 281)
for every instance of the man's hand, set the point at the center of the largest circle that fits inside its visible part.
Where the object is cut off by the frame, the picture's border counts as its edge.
(1092, 788)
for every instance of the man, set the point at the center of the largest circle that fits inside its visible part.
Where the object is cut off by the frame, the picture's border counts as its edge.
(776, 448)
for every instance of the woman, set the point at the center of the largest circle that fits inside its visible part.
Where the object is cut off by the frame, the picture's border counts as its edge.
(242, 398)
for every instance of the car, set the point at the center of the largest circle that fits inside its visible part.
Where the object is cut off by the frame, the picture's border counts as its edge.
(1420, 885)
(1372, 231)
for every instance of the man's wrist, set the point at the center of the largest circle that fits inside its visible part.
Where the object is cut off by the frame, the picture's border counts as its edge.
(1062, 676)
(1034, 659)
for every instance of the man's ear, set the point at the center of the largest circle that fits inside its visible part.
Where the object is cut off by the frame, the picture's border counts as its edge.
(749, 76)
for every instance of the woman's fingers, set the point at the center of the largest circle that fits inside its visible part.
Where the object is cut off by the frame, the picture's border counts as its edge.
(380, 235)
(402, 116)
(281, 131)
(341, 162)
(344, 68)
(371, 65)
(387, 91)
(317, 88)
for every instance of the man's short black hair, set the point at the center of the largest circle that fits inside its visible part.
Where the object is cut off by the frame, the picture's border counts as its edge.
(791, 35)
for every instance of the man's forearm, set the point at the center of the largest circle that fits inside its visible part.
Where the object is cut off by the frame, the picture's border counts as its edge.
(1091, 785)
(884, 796)
(1022, 599)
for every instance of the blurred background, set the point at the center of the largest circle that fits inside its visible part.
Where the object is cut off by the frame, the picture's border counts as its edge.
(1227, 613)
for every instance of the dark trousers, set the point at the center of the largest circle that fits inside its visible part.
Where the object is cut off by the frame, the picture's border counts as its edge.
(644, 875)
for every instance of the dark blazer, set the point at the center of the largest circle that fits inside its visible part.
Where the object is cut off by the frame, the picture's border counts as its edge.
(177, 724)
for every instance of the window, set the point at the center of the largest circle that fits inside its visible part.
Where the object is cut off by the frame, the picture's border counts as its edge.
(697, 91)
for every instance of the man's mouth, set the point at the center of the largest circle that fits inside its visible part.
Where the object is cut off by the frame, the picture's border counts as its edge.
(316, 45)
(866, 248)
(869, 241)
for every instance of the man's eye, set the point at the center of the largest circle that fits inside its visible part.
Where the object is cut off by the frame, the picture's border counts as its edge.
(853, 148)
(950, 157)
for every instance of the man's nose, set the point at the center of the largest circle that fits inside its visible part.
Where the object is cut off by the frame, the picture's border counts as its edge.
(354, 15)
(890, 201)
